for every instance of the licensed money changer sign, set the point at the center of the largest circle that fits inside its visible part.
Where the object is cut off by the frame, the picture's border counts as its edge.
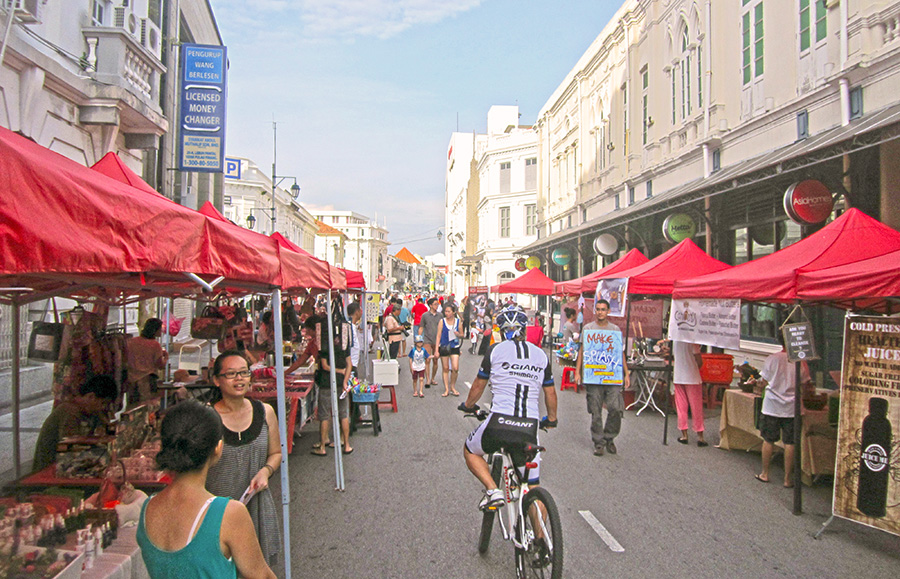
(867, 466)
(202, 112)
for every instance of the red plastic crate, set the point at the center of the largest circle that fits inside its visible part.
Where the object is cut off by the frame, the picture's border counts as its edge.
(717, 368)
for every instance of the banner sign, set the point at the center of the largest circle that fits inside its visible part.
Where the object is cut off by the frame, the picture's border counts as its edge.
(201, 116)
(867, 467)
(602, 358)
(646, 319)
(615, 291)
(478, 297)
(713, 322)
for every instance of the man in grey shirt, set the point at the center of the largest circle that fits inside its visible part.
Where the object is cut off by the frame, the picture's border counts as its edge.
(428, 329)
(600, 394)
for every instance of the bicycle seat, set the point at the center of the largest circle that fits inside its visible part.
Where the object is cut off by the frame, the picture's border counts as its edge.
(531, 451)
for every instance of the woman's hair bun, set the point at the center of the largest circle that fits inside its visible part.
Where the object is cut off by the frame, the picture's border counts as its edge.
(190, 433)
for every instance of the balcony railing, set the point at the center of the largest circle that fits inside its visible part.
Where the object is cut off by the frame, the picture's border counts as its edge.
(116, 57)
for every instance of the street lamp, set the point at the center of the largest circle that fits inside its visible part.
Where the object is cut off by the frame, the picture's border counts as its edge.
(276, 180)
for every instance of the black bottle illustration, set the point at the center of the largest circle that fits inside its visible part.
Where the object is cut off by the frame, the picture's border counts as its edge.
(875, 460)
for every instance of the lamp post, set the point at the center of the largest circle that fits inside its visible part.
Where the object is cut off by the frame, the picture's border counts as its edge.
(276, 180)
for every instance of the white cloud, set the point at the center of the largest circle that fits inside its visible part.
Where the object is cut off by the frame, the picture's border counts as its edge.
(341, 19)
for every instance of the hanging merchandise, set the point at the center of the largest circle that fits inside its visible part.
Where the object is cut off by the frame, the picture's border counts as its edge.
(209, 325)
(46, 338)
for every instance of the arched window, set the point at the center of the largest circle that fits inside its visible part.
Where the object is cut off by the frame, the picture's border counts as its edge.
(505, 276)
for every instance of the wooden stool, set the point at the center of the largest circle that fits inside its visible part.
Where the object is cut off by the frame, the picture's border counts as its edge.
(711, 394)
(355, 416)
(393, 401)
(568, 379)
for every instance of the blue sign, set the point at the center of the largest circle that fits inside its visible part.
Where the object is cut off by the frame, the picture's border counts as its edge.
(202, 113)
(603, 362)
(232, 168)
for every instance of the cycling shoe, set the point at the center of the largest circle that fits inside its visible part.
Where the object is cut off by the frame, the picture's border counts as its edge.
(492, 500)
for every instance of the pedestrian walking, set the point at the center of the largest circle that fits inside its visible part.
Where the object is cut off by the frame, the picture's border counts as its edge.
(428, 329)
(417, 360)
(688, 389)
(448, 345)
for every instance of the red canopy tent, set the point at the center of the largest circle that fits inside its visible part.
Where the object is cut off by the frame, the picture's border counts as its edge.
(588, 283)
(351, 279)
(852, 237)
(658, 276)
(112, 165)
(210, 211)
(534, 282)
(873, 278)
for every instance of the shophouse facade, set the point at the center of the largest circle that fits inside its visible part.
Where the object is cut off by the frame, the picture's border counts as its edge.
(366, 246)
(248, 192)
(714, 109)
(330, 244)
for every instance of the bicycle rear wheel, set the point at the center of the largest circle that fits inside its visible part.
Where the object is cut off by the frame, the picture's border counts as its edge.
(487, 523)
(544, 557)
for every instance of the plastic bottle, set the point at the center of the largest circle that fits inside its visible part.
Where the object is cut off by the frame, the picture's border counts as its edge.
(875, 460)
(98, 541)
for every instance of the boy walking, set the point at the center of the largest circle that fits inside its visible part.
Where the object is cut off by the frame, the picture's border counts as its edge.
(417, 357)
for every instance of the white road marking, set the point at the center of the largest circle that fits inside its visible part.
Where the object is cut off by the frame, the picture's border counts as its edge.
(468, 385)
(601, 530)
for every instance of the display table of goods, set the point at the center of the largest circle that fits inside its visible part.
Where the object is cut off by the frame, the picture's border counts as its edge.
(128, 454)
(55, 534)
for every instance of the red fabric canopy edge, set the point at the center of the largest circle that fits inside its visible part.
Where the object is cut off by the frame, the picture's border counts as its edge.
(588, 283)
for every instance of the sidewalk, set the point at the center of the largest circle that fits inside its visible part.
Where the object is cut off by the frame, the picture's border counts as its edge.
(30, 422)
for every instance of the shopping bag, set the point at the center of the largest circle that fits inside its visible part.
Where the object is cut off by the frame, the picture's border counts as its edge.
(46, 338)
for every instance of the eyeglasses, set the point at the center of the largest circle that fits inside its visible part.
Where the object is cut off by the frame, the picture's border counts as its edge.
(232, 375)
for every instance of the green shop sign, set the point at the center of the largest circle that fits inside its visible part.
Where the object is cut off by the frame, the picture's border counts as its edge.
(678, 227)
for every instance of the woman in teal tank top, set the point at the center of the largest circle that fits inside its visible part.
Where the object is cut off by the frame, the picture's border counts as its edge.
(184, 531)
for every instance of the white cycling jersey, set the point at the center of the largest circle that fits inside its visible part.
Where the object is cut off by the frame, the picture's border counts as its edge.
(518, 371)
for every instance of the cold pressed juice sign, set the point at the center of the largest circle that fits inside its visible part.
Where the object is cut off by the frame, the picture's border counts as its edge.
(867, 469)
(603, 358)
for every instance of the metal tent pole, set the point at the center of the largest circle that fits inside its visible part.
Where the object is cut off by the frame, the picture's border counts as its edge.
(335, 415)
(282, 430)
(363, 370)
(17, 442)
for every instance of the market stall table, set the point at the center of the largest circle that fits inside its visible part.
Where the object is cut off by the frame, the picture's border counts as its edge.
(647, 377)
(47, 478)
(121, 560)
(818, 444)
(296, 391)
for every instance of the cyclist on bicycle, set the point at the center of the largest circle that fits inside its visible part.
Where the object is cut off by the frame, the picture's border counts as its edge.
(518, 371)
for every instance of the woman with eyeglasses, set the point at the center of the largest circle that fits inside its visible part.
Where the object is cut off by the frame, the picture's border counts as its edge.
(252, 451)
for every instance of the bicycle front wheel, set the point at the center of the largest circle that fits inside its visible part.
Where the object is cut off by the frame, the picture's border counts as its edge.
(487, 523)
(542, 528)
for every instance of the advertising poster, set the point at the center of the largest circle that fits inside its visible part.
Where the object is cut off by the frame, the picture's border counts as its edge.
(712, 322)
(373, 306)
(867, 467)
(615, 291)
(603, 358)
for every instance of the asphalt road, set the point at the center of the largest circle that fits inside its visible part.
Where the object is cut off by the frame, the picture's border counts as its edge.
(410, 505)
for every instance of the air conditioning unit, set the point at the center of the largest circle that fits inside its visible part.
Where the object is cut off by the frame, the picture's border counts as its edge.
(28, 11)
(125, 19)
(151, 37)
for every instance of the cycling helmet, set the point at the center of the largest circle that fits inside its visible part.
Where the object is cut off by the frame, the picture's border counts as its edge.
(512, 321)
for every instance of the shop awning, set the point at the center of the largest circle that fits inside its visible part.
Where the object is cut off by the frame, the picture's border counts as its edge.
(868, 131)
(112, 165)
(588, 283)
(852, 237)
(873, 278)
(534, 282)
(658, 276)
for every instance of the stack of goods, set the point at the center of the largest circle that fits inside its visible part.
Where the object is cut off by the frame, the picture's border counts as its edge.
(746, 372)
(568, 353)
(361, 391)
(83, 456)
(30, 533)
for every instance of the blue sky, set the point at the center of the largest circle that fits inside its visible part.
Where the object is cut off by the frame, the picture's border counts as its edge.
(367, 92)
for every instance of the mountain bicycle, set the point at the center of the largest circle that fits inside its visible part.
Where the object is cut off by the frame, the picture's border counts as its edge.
(530, 518)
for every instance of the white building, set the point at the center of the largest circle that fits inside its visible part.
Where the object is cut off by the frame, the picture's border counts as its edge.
(366, 247)
(507, 209)
(248, 191)
(330, 244)
(461, 217)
